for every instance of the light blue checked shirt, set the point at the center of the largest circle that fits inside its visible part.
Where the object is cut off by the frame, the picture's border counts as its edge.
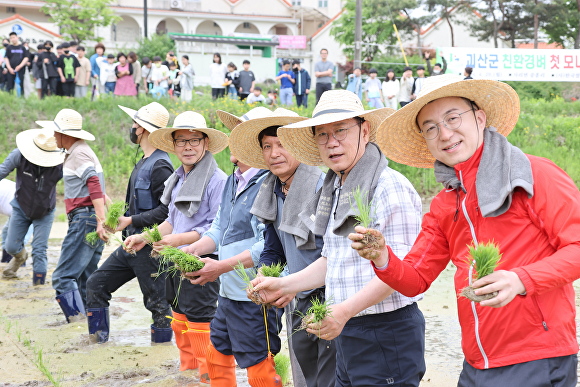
(396, 211)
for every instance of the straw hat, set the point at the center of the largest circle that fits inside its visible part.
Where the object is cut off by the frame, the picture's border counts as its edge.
(39, 147)
(334, 106)
(68, 122)
(244, 142)
(231, 121)
(162, 139)
(151, 117)
(399, 136)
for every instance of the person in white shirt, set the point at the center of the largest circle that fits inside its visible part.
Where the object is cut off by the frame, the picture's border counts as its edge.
(256, 96)
(159, 76)
(391, 87)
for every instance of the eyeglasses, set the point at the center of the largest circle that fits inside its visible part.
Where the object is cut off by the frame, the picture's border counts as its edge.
(339, 135)
(192, 141)
(451, 121)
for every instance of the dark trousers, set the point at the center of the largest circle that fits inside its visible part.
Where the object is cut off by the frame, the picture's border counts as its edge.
(317, 358)
(197, 302)
(243, 96)
(49, 85)
(321, 88)
(217, 93)
(550, 372)
(11, 80)
(68, 89)
(120, 268)
(386, 349)
(302, 100)
(403, 103)
(238, 329)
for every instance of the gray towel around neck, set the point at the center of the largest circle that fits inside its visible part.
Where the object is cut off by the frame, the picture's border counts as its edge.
(303, 185)
(365, 174)
(190, 194)
(502, 169)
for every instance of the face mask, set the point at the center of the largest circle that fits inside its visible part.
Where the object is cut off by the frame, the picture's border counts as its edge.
(133, 136)
(5, 44)
(157, 65)
(47, 48)
(436, 71)
(66, 51)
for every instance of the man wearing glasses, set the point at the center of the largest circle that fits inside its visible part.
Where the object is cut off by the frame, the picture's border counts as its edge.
(525, 328)
(379, 333)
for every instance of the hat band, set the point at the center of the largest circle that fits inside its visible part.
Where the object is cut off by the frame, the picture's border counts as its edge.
(186, 127)
(245, 117)
(145, 121)
(329, 111)
(44, 150)
(62, 130)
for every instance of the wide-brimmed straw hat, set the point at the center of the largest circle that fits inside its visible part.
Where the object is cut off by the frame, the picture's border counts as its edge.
(69, 122)
(399, 136)
(244, 142)
(151, 117)
(39, 147)
(334, 106)
(231, 121)
(162, 139)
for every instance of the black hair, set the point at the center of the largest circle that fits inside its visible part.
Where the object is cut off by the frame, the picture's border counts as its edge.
(172, 64)
(285, 62)
(373, 71)
(156, 59)
(110, 56)
(80, 48)
(468, 70)
(232, 65)
(258, 88)
(387, 75)
(271, 131)
(356, 68)
(295, 62)
(40, 47)
(185, 56)
(48, 43)
(12, 33)
(65, 45)
(73, 43)
(323, 49)
(360, 121)
(146, 60)
(438, 64)
(219, 57)
(119, 55)
(246, 61)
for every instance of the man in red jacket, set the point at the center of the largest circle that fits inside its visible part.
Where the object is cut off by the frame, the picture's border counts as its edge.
(493, 193)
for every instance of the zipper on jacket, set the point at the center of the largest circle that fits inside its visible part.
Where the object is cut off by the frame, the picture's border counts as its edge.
(544, 324)
(473, 309)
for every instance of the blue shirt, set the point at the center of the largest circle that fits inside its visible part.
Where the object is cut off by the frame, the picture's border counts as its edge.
(285, 82)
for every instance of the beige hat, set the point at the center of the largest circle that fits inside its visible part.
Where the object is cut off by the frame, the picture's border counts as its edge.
(231, 121)
(39, 147)
(151, 117)
(68, 122)
(162, 138)
(334, 106)
(244, 142)
(399, 136)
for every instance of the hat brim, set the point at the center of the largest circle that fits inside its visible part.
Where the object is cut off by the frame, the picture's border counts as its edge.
(399, 136)
(32, 153)
(299, 141)
(244, 143)
(162, 139)
(228, 119)
(76, 133)
(132, 113)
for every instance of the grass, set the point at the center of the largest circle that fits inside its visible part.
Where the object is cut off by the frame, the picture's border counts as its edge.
(363, 206)
(152, 234)
(273, 270)
(485, 258)
(114, 211)
(247, 275)
(282, 362)
(182, 261)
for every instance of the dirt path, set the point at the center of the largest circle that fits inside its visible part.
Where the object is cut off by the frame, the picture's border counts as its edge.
(31, 322)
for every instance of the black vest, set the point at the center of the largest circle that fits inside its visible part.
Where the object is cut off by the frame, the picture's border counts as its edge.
(142, 192)
(36, 188)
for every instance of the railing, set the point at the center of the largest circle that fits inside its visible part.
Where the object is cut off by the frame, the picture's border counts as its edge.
(186, 5)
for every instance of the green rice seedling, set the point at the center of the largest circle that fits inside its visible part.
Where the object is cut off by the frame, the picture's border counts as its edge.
(282, 364)
(364, 218)
(152, 235)
(247, 275)
(317, 312)
(92, 238)
(114, 211)
(273, 270)
(176, 260)
(485, 257)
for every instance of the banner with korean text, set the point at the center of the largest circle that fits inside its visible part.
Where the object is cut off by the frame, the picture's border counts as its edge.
(508, 64)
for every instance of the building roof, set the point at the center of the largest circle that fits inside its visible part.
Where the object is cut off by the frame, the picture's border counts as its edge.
(236, 40)
(30, 23)
(282, 1)
(327, 24)
(541, 46)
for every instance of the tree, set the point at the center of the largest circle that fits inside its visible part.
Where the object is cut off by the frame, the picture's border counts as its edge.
(156, 45)
(78, 19)
(564, 24)
(443, 9)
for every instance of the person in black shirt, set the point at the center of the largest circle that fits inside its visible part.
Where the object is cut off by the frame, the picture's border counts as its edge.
(15, 59)
(46, 64)
(68, 69)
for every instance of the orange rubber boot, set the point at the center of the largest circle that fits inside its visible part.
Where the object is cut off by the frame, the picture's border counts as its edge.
(198, 334)
(264, 374)
(222, 368)
(186, 359)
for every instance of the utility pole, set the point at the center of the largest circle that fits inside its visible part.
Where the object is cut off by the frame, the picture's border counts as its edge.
(358, 34)
(145, 18)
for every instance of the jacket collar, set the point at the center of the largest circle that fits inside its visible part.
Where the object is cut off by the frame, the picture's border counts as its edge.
(467, 171)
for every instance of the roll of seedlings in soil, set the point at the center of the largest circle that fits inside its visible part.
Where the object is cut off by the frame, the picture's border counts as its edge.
(115, 210)
(152, 235)
(484, 258)
(181, 261)
(92, 238)
(317, 312)
(364, 218)
(273, 270)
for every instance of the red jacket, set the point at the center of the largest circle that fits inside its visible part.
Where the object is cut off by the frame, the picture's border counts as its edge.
(540, 241)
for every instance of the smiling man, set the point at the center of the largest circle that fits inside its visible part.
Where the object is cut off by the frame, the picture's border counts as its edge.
(493, 193)
(341, 136)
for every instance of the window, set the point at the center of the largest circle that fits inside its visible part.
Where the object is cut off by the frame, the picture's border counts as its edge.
(296, 2)
(246, 25)
(10, 9)
(322, 3)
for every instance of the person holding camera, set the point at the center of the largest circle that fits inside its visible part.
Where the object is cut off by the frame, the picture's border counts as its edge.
(301, 85)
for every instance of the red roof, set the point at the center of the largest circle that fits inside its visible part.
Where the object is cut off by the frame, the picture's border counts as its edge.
(29, 22)
(541, 46)
(327, 23)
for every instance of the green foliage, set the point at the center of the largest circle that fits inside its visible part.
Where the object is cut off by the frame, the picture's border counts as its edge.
(282, 362)
(363, 206)
(247, 275)
(564, 21)
(485, 258)
(535, 90)
(114, 211)
(319, 310)
(152, 234)
(183, 262)
(156, 45)
(92, 238)
(78, 19)
(273, 270)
